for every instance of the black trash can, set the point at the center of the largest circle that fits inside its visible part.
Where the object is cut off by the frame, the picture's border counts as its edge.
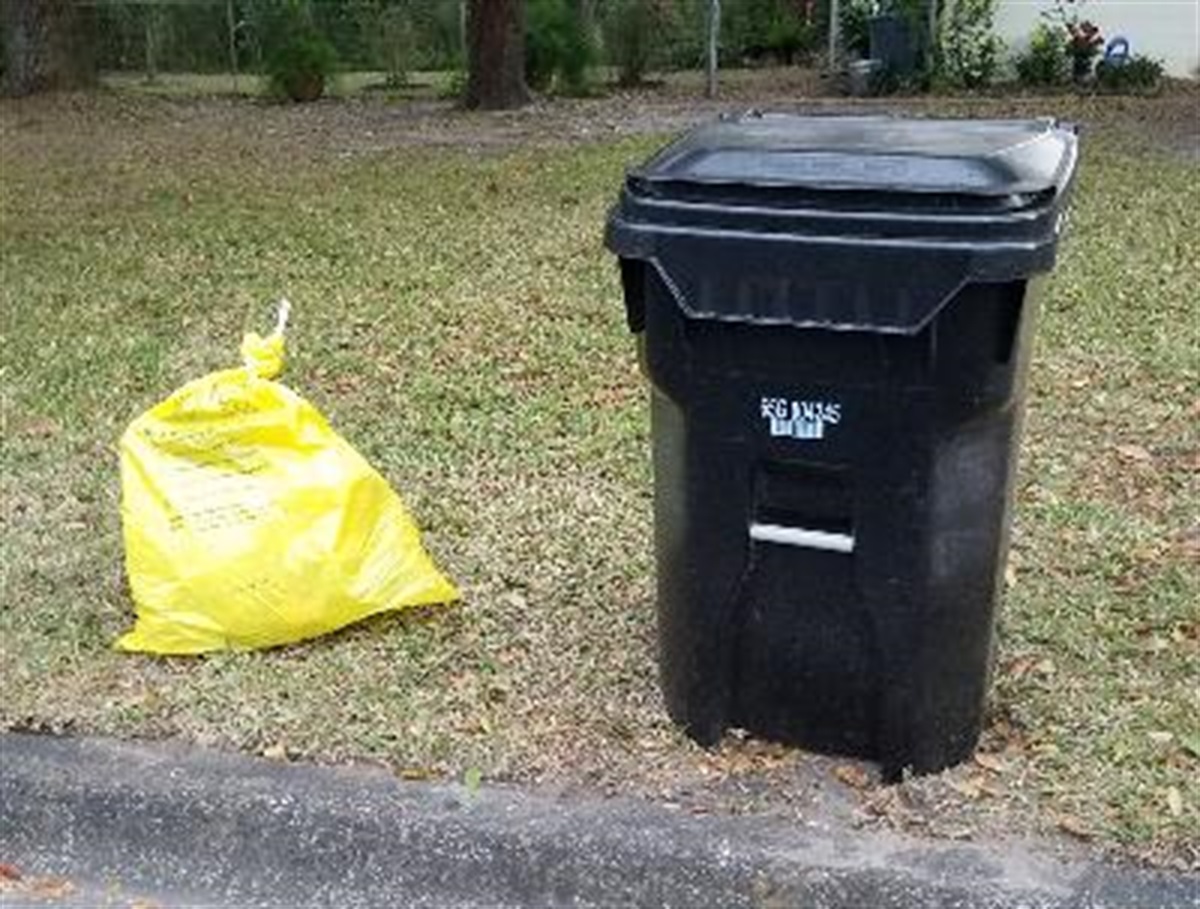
(894, 43)
(835, 315)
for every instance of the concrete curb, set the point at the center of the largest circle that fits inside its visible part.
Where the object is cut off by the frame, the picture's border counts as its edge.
(219, 829)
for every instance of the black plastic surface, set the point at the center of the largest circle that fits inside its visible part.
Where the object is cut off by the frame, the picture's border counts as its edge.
(816, 221)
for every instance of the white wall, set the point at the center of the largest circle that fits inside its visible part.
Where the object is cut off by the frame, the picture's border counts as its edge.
(1166, 29)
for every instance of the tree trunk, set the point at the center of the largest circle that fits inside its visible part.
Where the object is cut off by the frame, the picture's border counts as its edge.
(152, 26)
(231, 23)
(47, 45)
(495, 54)
(714, 44)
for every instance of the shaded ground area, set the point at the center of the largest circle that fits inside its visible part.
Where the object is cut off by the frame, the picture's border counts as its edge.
(367, 122)
(459, 322)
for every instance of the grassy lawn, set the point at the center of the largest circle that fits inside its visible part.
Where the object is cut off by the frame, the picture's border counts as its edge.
(457, 319)
(344, 84)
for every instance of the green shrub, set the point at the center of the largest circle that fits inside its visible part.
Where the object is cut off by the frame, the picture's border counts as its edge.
(754, 31)
(789, 38)
(1138, 75)
(455, 88)
(301, 59)
(393, 43)
(558, 46)
(1046, 61)
(855, 34)
(970, 52)
(633, 31)
(1084, 41)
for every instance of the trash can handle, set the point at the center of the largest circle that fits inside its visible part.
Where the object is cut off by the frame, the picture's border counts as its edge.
(802, 537)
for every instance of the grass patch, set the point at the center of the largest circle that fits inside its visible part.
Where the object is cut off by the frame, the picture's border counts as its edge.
(343, 84)
(457, 320)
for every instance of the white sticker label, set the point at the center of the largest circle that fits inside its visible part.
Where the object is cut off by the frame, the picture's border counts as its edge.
(808, 420)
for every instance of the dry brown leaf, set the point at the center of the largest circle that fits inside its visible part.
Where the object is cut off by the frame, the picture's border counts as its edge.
(1019, 667)
(49, 888)
(9, 872)
(957, 833)
(967, 788)
(41, 428)
(991, 762)
(1072, 825)
(1138, 453)
(1045, 667)
(855, 777)
(1174, 802)
(415, 773)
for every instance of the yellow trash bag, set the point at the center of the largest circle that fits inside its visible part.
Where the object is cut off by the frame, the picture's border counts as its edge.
(248, 522)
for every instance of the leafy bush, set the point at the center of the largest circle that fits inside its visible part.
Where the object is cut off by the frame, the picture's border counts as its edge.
(1138, 74)
(633, 30)
(393, 43)
(1083, 38)
(753, 31)
(301, 59)
(855, 33)
(557, 44)
(788, 38)
(970, 51)
(1045, 62)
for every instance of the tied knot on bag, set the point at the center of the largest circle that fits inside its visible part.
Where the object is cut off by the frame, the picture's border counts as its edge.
(264, 357)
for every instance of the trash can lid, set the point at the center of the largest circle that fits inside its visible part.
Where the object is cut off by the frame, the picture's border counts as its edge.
(877, 154)
(853, 223)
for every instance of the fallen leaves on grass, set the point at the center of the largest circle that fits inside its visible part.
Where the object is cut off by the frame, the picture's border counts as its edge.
(1174, 801)
(38, 888)
(416, 774)
(991, 762)
(276, 752)
(1136, 453)
(1074, 826)
(854, 777)
(973, 788)
(741, 755)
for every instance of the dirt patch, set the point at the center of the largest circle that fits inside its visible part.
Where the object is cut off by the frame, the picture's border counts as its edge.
(368, 124)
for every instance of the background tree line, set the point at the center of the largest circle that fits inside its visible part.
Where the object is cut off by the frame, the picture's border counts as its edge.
(65, 43)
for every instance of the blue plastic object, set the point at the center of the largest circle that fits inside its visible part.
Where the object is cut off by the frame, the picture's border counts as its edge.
(1117, 51)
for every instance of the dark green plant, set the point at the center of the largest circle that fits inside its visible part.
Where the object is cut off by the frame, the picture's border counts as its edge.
(456, 86)
(788, 38)
(300, 60)
(754, 31)
(633, 30)
(391, 37)
(855, 33)
(1084, 42)
(969, 53)
(1045, 62)
(1136, 75)
(558, 46)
